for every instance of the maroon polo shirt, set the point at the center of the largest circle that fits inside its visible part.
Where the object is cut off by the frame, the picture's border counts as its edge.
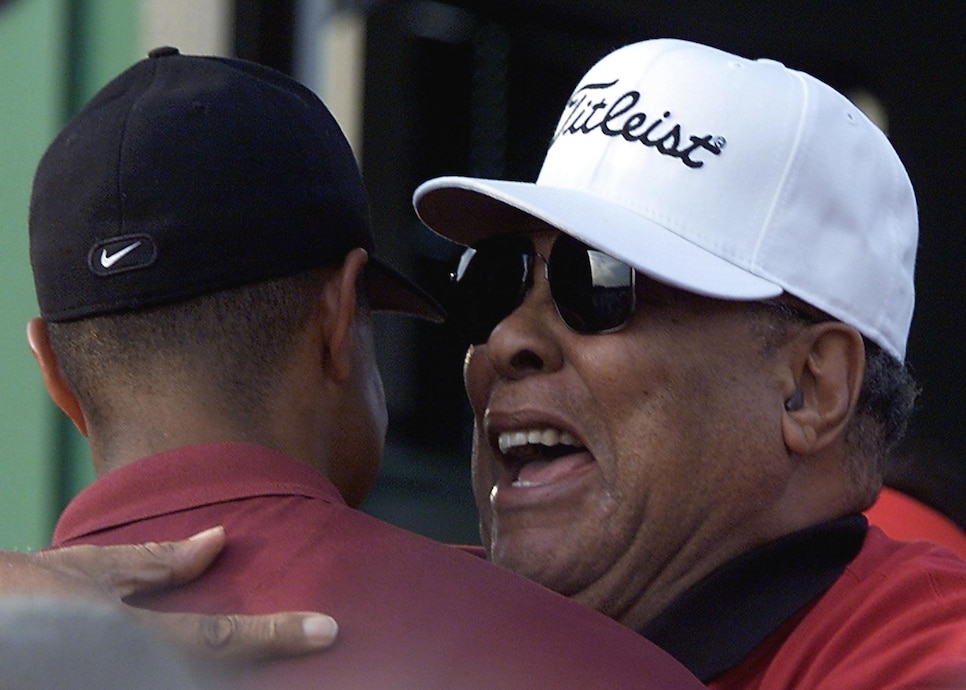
(412, 613)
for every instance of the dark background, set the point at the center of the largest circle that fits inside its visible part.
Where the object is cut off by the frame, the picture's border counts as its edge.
(476, 88)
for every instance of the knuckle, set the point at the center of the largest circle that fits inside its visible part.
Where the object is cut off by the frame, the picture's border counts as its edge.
(138, 567)
(218, 631)
(274, 631)
(154, 551)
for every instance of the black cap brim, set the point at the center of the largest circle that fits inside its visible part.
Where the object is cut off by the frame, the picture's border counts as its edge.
(389, 290)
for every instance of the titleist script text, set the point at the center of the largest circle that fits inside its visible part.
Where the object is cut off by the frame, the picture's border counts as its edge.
(586, 113)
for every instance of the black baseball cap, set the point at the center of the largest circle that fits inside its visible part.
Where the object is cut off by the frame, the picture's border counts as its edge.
(186, 175)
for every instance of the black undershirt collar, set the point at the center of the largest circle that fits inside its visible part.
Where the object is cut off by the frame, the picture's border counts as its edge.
(714, 625)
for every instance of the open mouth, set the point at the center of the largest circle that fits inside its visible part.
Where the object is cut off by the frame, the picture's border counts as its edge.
(534, 457)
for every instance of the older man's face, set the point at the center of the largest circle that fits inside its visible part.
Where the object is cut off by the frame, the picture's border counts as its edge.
(655, 452)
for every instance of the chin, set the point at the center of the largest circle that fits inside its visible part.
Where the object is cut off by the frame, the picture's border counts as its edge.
(537, 560)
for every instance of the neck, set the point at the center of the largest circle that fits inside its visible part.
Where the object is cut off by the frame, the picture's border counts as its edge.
(137, 436)
(157, 423)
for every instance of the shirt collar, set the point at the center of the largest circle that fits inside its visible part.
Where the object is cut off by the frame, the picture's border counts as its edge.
(715, 624)
(185, 478)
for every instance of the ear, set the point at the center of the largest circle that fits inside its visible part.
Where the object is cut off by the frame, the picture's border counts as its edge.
(57, 385)
(339, 300)
(828, 365)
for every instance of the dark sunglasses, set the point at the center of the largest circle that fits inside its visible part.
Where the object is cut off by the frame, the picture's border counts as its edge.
(592, 292)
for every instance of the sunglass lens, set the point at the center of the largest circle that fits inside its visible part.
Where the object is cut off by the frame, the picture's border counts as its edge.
(491, 281)
(594, 292)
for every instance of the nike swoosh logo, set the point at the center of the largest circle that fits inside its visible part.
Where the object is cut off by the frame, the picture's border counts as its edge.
(108, 260)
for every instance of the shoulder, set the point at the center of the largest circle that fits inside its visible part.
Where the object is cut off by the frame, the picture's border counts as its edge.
(903, 517)
(906, 572)
(895, 618)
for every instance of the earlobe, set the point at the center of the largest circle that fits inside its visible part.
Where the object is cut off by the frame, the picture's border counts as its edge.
(340, 302)
(57, 386)
(828, 376)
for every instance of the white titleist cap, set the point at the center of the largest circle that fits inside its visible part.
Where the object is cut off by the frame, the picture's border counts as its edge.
(726, 177)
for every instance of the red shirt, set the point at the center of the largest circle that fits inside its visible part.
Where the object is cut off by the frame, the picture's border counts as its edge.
(903, 517)
(895, 618)
(412, 613)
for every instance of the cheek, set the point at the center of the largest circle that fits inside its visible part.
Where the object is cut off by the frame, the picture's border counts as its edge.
(364, 420)
(477, 379)
(377, 403)
(370, 407)
(482, 476)
(652, 426)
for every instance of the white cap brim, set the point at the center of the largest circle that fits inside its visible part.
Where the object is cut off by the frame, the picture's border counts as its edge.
(466, 210)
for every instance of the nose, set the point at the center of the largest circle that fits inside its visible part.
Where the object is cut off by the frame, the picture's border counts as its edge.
(526, 342)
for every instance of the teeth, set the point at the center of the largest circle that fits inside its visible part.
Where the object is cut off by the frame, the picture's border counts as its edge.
(511, 440)
(544, 437)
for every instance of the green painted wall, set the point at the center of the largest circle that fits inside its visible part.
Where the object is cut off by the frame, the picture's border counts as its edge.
(54, 54)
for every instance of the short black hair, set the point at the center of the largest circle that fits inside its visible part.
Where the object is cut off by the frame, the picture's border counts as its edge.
(236, 340)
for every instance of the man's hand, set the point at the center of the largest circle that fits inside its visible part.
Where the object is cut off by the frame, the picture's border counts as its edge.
(109, 574)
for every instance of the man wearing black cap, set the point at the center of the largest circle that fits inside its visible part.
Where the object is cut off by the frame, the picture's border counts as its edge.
(202, 255)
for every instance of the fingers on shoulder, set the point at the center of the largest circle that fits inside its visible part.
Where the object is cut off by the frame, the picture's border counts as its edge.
(131, 568)
(244, 638)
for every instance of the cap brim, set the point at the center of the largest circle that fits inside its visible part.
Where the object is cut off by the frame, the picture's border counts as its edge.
(389, 290)
(467, 210)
